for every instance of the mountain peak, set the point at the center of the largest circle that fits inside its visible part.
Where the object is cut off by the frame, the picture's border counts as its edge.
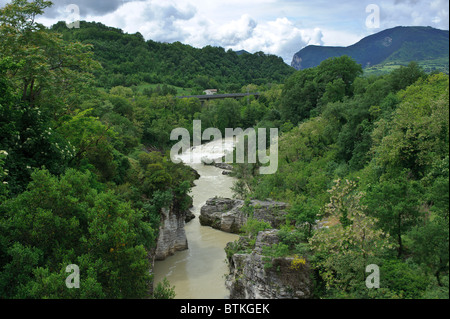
(396, 46)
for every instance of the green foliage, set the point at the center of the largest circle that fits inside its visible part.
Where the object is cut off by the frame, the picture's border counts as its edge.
(90, 139)
(3, 174)
(300, 96)
(51, 71)
(293, 238)
(437, 181)
(65, 220)
(306, 90)
(430, 244)
(418, 132)
(84, 171)
(344, 249)
(129, 60)
(222, 114)
(395, 203)
(405, 280)
(164, 291)
(253, 226)
(389, 132)
(274, 251)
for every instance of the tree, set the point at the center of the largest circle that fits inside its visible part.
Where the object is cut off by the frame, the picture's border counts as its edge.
(63, 221)
(300, 95)
(334, 91)
(51, 70)
(430, 240)
(27, 135)
(431, 245)
(164, 291)
(403, 77)
(344, 68)
(305, 213)
(331, 81)
(90, 140)
(419, 130)
(3, 174)
(396, 205)
(42, 78)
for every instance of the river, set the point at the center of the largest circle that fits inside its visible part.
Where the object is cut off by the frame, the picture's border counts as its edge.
(199, 272)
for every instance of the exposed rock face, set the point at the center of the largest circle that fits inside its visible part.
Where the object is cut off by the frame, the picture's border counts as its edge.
(189, 216)
(249, 279)
(297, 62)
(172, 235)
(230, 215)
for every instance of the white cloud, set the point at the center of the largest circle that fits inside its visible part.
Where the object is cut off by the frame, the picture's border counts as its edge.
(433, 13)
(234, 32)
(158, 21)
(280, 37)
(281, 27)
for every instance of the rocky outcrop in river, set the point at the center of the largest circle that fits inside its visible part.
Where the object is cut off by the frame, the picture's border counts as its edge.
(230, 215)
(250, 278)
(172, 235)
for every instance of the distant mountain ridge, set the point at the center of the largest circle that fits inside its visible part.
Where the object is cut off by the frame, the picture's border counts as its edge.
(397, 46)
(241, 52)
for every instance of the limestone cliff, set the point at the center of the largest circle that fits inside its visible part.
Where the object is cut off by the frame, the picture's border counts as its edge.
(230, 215)
(172, 235)
(250, 279)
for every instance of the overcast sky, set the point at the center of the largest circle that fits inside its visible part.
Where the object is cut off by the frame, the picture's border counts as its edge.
(280, 27)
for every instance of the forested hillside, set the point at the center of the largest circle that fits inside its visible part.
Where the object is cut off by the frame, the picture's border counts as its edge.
(128, 59)
(368, 159)
(76, 184)
(84, 168)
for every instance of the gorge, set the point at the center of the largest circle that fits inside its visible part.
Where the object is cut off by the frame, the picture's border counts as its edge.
(193, 256)
(193, 270)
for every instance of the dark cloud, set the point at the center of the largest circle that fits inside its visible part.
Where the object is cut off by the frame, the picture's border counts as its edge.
(87, 7)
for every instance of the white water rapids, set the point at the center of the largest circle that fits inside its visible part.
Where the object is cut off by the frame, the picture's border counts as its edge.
(198, 273)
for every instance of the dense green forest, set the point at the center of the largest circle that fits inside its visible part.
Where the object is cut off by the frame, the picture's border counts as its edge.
(368, 159)
(85, 166)
(77, 185)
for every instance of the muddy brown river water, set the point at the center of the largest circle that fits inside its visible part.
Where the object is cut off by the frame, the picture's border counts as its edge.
(199, 272)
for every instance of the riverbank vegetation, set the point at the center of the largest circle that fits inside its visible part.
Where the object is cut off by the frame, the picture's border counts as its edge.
(365, 170)
(77, 185)
(85, 123)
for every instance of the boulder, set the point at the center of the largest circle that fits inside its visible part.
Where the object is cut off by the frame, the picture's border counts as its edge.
(189, 216)
(230, 215)
(224, 166)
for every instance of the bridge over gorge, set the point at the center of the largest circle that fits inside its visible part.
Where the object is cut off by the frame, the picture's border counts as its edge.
(205, 98)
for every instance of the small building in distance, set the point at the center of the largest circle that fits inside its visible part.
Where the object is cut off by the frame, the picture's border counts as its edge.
(210, 91)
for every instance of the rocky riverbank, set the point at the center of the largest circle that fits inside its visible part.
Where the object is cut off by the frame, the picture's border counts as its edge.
(172, 235)
(250, 278)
